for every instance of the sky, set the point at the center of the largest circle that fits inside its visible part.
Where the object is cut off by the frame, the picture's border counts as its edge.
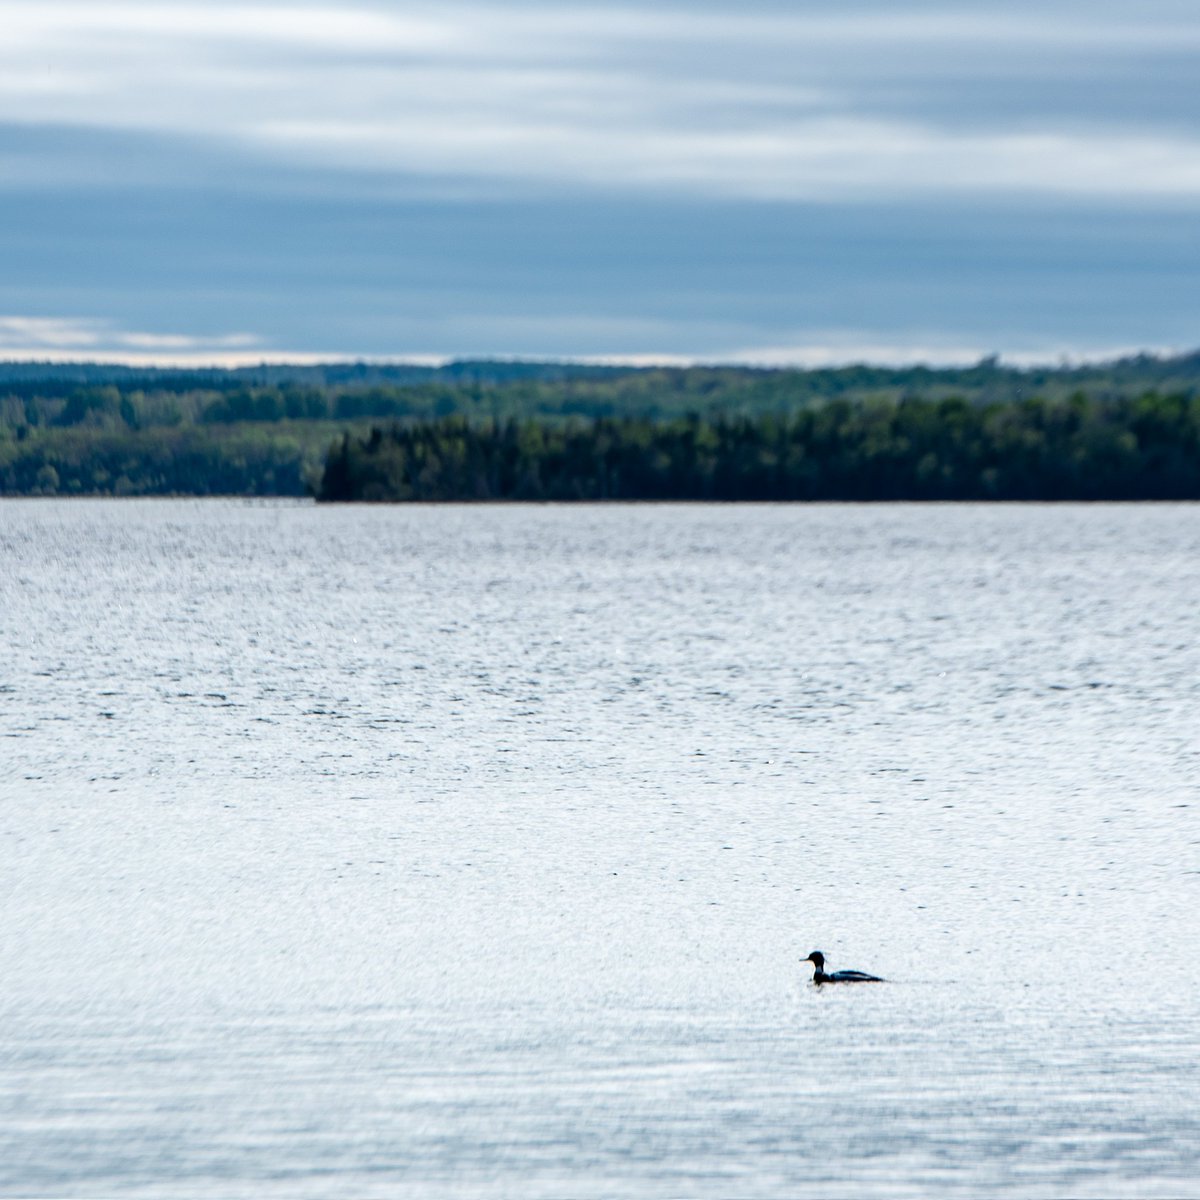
(766, 182)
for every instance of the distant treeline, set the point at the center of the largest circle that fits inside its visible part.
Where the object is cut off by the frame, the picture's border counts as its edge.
(49, 396)
(242, 460)
(87, 429)
(914, 449)
(47, 378)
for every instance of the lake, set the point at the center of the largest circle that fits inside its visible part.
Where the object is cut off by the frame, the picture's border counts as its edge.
(472, 851)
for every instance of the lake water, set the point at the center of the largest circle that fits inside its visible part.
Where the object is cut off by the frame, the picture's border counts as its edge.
(471, 851)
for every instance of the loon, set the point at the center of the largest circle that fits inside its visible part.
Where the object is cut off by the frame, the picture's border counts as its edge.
(818, 961)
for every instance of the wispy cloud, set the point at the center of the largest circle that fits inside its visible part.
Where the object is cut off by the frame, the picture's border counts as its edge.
(25, 337)
(757, 182)
(760, 104)
(47, 339)
(804, 160)
(840, 348)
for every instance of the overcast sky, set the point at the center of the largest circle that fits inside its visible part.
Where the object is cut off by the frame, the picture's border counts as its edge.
(765, 182)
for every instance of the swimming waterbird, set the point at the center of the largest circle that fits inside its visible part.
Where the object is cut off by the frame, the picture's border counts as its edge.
(819, 976)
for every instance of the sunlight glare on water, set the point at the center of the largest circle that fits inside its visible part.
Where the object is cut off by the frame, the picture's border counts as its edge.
(472, 851)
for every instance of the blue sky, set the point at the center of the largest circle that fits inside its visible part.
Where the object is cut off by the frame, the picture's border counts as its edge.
(766, 182)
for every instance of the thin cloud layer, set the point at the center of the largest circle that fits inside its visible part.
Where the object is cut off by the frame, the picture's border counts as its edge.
(791, 105)
(25, 336)
(763, 182)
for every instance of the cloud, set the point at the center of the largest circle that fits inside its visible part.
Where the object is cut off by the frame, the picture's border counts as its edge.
(805, 160)
(761, 103)
(49, 339)
(840, 348)
(36, 337)
(691, 179)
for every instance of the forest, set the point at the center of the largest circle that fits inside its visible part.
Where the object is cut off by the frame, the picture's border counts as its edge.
(913, 449)
(528, 430)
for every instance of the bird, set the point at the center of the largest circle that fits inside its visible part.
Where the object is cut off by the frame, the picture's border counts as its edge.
(819, 976)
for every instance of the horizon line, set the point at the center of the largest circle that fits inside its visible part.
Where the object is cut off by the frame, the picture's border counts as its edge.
(799, 359)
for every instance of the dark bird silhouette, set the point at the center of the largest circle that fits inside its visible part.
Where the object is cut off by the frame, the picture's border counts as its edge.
(819, 976)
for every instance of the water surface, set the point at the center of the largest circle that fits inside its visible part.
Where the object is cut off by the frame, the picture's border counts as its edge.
(470, 851)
